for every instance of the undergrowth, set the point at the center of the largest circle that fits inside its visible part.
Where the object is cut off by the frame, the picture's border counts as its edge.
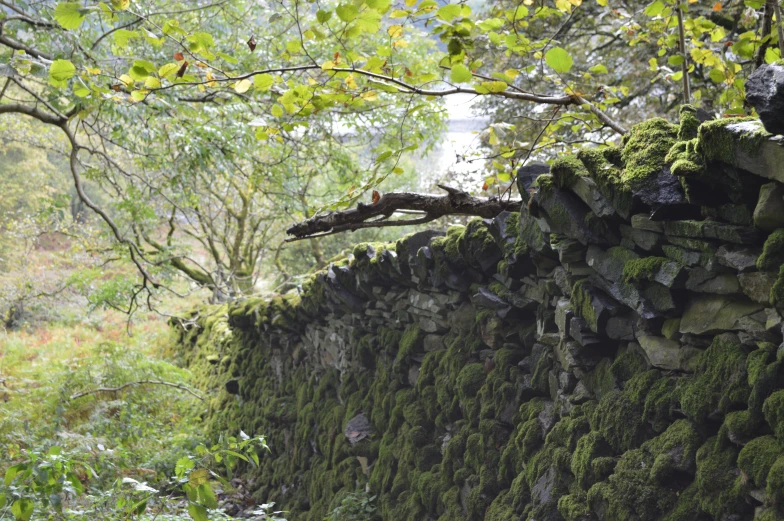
(70, 451)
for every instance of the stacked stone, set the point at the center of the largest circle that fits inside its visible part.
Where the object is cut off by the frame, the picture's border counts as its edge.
(610, 352)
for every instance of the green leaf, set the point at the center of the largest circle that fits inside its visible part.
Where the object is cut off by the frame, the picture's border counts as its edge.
(22, 509)
(716, 75)
(598, 69)
(138, 95)
(346, 12)
(11, 473)
(2, 500)
(60, 72)
(263, 82)
(228, 58)
(323, 16)
(168, 70)
(492, 87)
(198, 477)
(207, 496)
(655, 9)
(559, 60)
(448, 12)
(771, 55)
(675, 61)
(197, 512)
(369, 21)
(123, 36)
(152, 82)
(277, 110)
(460, 73)
(81, 90)
(69, 15)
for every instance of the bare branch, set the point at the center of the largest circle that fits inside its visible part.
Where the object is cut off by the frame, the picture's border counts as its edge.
(138, 382)
(456, 202)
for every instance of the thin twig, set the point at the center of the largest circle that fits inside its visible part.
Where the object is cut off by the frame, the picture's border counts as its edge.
(139, 382)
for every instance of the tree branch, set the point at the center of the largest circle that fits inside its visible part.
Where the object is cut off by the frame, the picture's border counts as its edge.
(456, 202)
(139, 382)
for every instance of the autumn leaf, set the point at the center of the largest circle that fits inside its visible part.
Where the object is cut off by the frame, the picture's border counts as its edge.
(178, 56)
(181, 72)
(252, 43)
(485, 187)
(376, 197)
(717, 7)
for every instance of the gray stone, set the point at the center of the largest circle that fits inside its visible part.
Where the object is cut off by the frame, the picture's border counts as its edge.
(585, 188)
(710, 314)
(642, 221)
(712, 230)
(620, 328)
(563, 314)
(358, 428)
(609, 264)
(767, 160)
(578, 269)
(757, 285)
(730, 212)
(487, 299)
(644, 239)
(433, 343)
(660, 297)
(738, 257)
(569, 250)
(527, 174)
(765, 92)
(704, 281)
(661, 352)
(769, 213)
(430, 325)
(565, 213)
(462, 319)
(581, 394)
(579, 330)
(689, 357)
(413, 374)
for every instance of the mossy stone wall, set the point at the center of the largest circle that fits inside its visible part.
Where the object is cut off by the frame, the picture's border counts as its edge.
(526, 368)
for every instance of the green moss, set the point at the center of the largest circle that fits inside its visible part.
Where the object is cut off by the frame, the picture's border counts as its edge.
(775, 488)
(574, 507)
(721, 383)
(565, 170)
(720, 144)
(644, 148)
(774, 413)
(411, 342)
(757, 458)
(545, 184)
(644, 269)
(719, 491)
(470, 380)
(689, 124)
(582, 303)
(772, 257)
(777, 291)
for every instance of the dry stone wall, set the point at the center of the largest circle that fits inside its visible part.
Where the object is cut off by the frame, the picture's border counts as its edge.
(611, 352)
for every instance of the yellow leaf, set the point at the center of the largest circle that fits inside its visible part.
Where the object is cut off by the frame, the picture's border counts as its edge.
(602, 3)
(242, 86)
(395, 31)
(198, 477)
(411, 3)
(511, 73)
(350, 82)
(327, 65)
(400, 44)
(564, 6)
(370, 95)
(93, 70)
(576, 3)
(127, 80)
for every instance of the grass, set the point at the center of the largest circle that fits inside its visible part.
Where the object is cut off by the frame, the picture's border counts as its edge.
(115, 443)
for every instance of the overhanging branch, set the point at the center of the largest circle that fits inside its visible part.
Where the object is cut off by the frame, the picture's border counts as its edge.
(455, 202)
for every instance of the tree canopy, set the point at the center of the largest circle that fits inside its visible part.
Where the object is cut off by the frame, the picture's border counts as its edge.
(214, 126)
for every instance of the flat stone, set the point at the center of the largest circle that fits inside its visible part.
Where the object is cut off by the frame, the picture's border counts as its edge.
(711, 314)
(645, 239)
(738, 257)
(757, 285)
(585, 188)
(609, 264)
(357, 429)
(566, 214)
(713, 230)
(705, 281)
(433, 343)
(661, 352)
(767, 161)
(620, 328)
(769, 213)
(487, 299)
(730, 212)
(642, 221)
(660, 298)
(579, 330)
(527, 174)
(569, 250)
(563, 315)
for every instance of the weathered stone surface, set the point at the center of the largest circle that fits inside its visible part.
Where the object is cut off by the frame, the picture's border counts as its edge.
(765, 92)
(757, 285)
(712, 314)
(661, 352)
(620, 328)
(645, 239)
(609, 264)
(705, 281)
(713, 230)
(527, 174)
(766, 160)
(769, 213)
(731, 213)
(565, 213)
(643, 221)
(585, 188)
(738, 257)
